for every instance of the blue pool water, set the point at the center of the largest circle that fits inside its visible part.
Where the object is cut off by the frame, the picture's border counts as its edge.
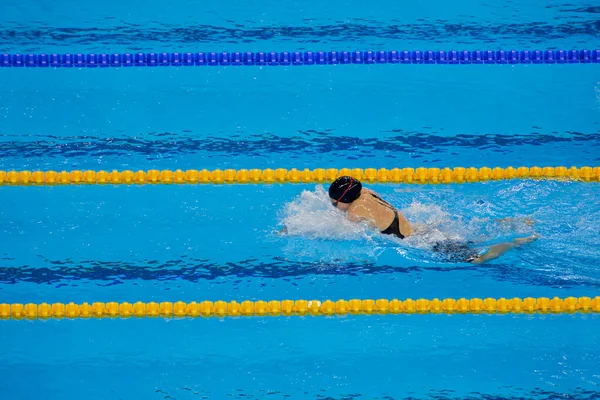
(219, 242)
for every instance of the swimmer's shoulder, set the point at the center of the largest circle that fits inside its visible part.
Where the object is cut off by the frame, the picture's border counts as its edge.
(368, 191)
(357, 211)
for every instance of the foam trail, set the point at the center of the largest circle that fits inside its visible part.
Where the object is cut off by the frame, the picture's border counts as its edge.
(311, 215)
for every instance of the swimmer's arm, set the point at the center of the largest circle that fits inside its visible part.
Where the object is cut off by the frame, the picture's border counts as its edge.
(354, 217)
(509, 220)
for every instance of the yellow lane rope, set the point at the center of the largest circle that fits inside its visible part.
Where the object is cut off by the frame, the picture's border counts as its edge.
(300, 308)
(282, 175)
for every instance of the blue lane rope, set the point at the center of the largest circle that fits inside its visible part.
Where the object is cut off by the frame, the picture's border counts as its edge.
(301, 58)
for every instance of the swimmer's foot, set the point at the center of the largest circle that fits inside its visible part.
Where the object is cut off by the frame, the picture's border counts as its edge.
(525, 240)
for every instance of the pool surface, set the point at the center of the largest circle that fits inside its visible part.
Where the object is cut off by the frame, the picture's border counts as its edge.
(195, 242)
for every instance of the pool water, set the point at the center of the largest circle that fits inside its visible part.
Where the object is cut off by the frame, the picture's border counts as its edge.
(221, 242)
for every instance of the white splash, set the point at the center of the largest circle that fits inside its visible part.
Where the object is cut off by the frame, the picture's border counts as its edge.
(432, 224)
(311, 215)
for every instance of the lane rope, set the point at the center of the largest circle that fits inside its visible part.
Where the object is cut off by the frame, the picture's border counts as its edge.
(274, 308)
(298, 58)
(282, 175)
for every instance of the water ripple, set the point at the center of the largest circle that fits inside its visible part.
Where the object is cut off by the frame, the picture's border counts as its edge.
(103, 273)
(152, 145)
(445, 394)
(15, 34)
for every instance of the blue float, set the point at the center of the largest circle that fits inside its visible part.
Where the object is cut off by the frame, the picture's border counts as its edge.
(453, 57)
(284, 58)
(406, 57)
(345, 57)
(212, 59)
(489, 57)
(537, 57)
(176, 59)
(549, 56)
(18, 60)
(164, 59)
(466, 57)
(79, 60)
(127, 60)
(248, 58)
(260, 58)
(151, 60)
(42, 60)
(188, 59)
(115, 60)
(333, 57)
(237, 58)
(416, 57)
(31, 60)
(441, 57)
(224, 59)
(321, 58)
(55, 60)
(141, 59)
(5, 60)
(573, 56)
(296, 58)
(393, 57)
(309, 58)
(273, 59)
(91, 60)
(357, 57)
(103, 60)
(501, 57)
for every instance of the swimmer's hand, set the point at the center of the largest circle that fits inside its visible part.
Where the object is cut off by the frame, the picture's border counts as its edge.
(523, 220)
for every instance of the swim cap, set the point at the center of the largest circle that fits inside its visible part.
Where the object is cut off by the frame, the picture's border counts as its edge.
(345, 189)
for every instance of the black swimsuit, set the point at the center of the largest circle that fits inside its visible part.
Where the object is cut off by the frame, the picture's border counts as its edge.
(394, 228)
(454, 251)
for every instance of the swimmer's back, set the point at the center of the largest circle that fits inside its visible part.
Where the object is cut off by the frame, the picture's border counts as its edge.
(378, 212)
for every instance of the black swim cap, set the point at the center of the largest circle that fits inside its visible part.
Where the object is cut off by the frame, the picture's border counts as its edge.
(345, 189)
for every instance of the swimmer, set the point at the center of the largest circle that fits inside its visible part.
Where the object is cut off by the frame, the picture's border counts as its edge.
(364, 205)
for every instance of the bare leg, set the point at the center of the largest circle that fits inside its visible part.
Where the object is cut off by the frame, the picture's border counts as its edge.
(499, 249)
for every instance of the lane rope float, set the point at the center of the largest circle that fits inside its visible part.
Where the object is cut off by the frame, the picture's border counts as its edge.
(298, 58)
(180, 309)
(282, 175)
